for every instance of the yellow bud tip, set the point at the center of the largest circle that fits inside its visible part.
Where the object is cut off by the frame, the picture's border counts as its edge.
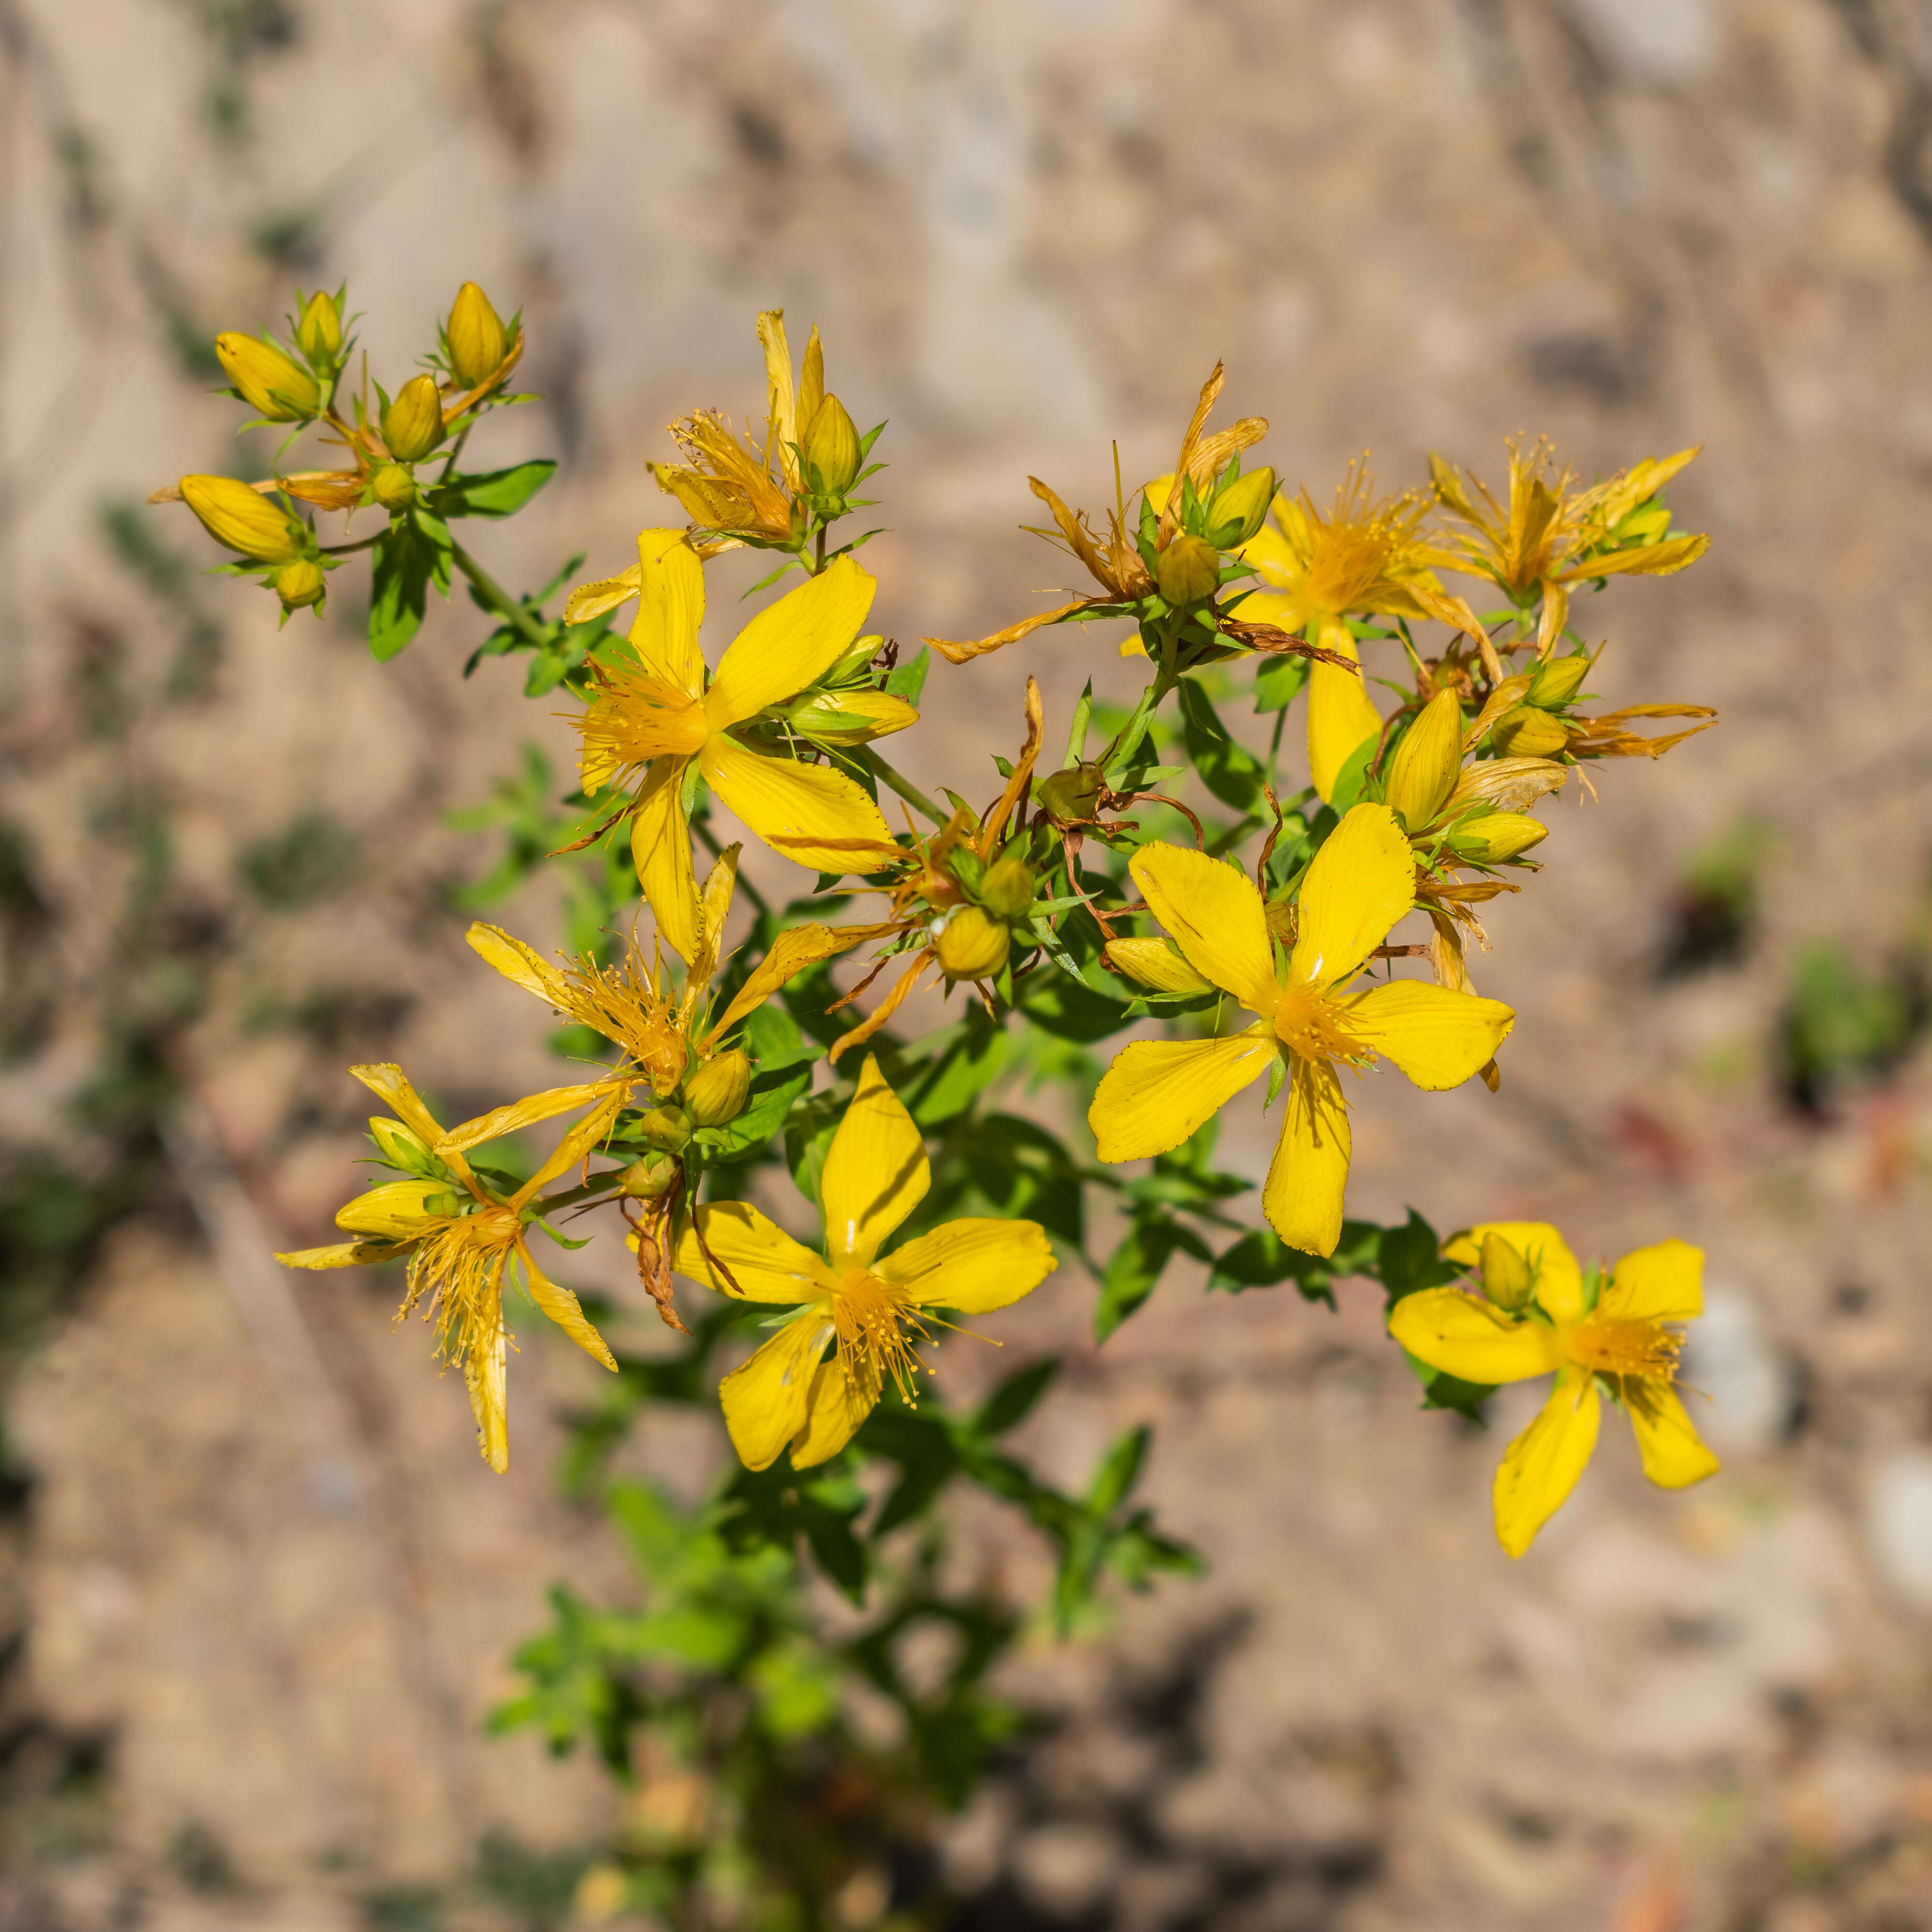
(974, 945)
(475, 337)
(300, 584)
(318, 333)
(1007, 889)
(830, 449)
(1239, 508)
(273, 383)
(717, 1092)
(394, 486)
(1188, 570)
(413, 424)
(243, 519)
(1422, 770)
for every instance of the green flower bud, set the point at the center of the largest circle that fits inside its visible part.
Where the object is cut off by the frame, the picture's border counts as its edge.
(1529, 733)
(1556, 680)
(649, 1178)
(300, 584)
(1507, 1280)
(319, 332)
(1188, 570)
(1239, 508)
(857, 658)
(830, 448)
(974, 945)
(1072, 796)
(400, 1147)
(243, 519)
(667, 1128)
(475, 337)
(275, 384)
(413, 424)
(394, 485)
(717, 1092)
(1007, 889)
(1422, 770)
(1500, 835)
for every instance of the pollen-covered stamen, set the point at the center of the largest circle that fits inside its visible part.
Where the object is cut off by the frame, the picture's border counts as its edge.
(868, 1314)
(635, 718)
(1612, 1347)
(460, 1267)
(1308, 1022)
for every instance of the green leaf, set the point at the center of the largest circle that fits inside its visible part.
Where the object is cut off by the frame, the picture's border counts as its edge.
(908, 680)
(1134, 1269)
(495, 492)
(1352, 780)
(961, 1073)
(1118, 1473)
(1013, 1400)
(1070, 1007)
(808, 1138)
(1228, 770)
(1278, 682)
(403, 565)
(1409, 1258)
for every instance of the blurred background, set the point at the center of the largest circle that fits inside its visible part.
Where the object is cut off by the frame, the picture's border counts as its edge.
(257, 1594)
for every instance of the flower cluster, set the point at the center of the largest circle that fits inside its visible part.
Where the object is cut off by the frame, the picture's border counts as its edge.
(1077, 900)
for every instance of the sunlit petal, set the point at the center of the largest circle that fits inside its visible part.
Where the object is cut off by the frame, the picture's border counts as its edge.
(1158, 1092)
(875, 1173)
(974, 1266)
(1540, 1467)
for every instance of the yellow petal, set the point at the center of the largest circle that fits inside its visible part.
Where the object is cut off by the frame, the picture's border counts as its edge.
(1438, 1037)
(565, 1310)
(523, 964)
(1657, 559)
(1159, 1092)
(1422, 768)
(396, 1210)
(344, 1254)
(801, 812)
(520, 1114)
(1461, 1335)
(1216, 917)
(794, 950)
(486, 1376)
(790, 643)
(389, 1083)
(765, 1264)
(1555, 1272)
(1155, 963)
(781, 402)
(875, 1172)
(765, 1401)
(974, 1266)
(1308, 1178)
(1674, 1454)
(1540, 1467)
(660, 850)
(670, 609)
(592, 600)
(834, 1408)
(1362, 881)
(1341, 713)
(714, 908)
(576, 1145)
(1663, 1282)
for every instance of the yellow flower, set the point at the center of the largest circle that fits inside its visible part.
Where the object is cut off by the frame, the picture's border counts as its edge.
(461, 1235)
(667, 1033)
(1548, 538)
(234, 513)
(873, 1308)
(1366, 556)
(1538, 1313)
(656, 719)
(1157, 1093)
(738, 494)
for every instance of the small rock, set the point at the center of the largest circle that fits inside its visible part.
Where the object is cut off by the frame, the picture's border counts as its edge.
(1066, 1869)
(1729, 1356)
(1898, 1525)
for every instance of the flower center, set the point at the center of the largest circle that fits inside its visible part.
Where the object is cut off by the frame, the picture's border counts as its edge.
(1613, 1347)
(1308, 1022)
(867, 1314)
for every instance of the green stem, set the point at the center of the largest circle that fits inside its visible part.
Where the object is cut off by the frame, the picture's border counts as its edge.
(496, 598)
(904, 786)
(820, 564)
(717, 851)
(1120, 754)
(350, 549)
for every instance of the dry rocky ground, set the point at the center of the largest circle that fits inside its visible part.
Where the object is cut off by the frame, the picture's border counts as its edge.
(263, 1592)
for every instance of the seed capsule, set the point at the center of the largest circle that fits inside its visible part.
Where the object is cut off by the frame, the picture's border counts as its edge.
(1007, 889)
(649, 1178)
(1073, 796)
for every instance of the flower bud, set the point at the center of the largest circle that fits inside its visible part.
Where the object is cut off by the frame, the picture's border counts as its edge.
(1507, 1280)
(1500, 835)
(1239, 508)
(974, 945)
(400, 1147)
(413, 424)
(243, 519)
(396, 1209)
(1528, 733)
(830, 448)
(1188, 570)
(318, 333)
(847, 717)
(475, 337)
(394, 486)
(299, 584)
(717, 1092)
(1422, 770)
(649, 1178)
(1072, 796)
(1556, 680)
(667, 1128)
(275, 383)
(1006, 891)
(856, 657)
